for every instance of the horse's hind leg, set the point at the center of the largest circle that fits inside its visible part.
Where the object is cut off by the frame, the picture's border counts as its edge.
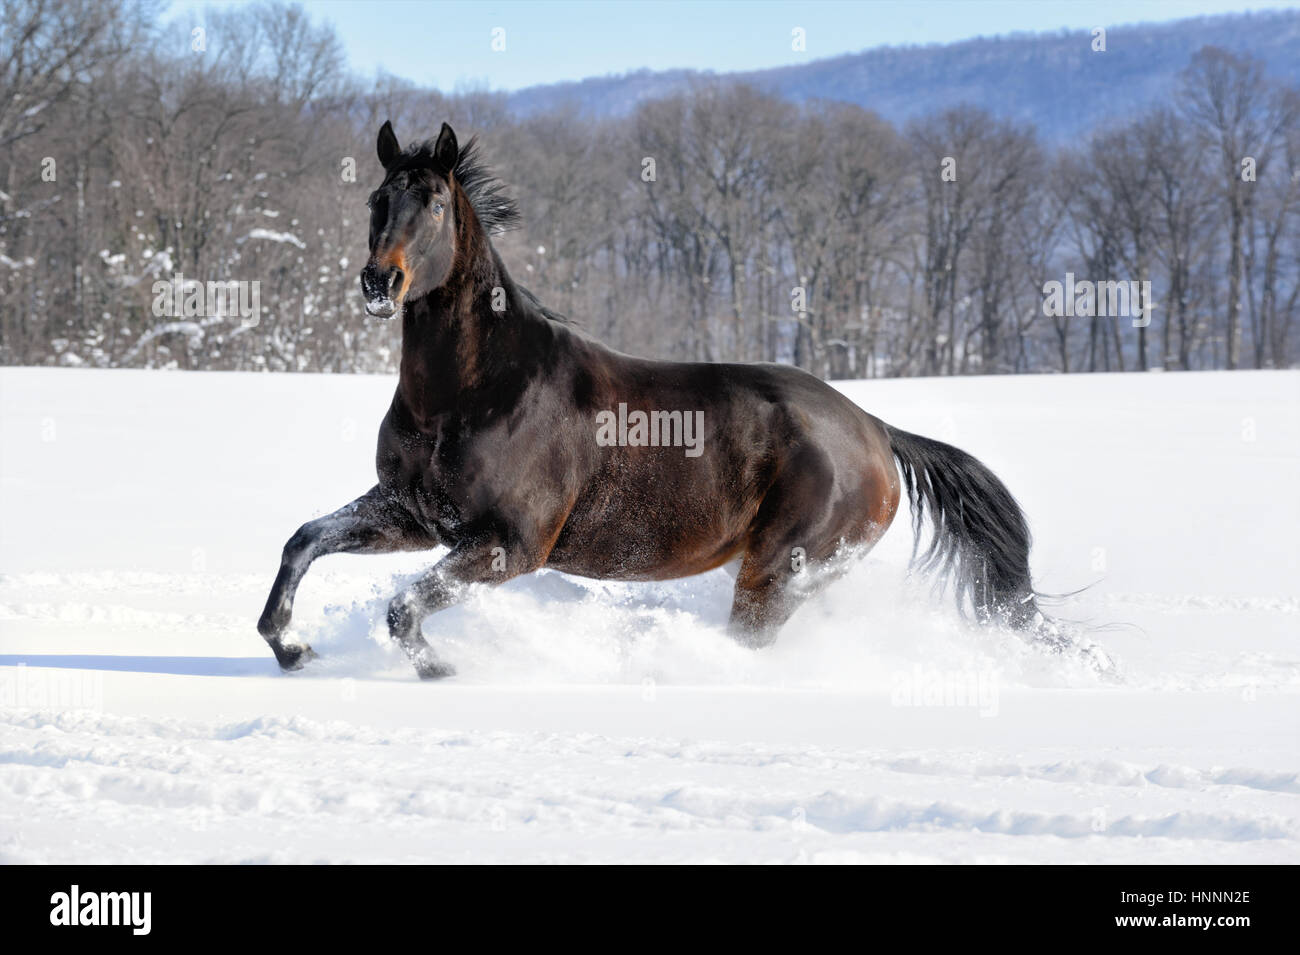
(788, 542)
(763, 601)
(372, 524)
(795, 546)
(772, 586)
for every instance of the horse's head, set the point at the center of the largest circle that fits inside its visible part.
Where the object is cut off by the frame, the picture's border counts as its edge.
(412, 222)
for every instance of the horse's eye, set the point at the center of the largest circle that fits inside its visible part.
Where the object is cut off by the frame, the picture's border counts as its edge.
(437, 207)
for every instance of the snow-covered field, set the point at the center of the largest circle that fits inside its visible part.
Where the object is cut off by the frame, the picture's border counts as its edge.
(142, 718)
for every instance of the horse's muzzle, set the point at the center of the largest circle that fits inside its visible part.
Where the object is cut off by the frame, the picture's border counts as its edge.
(378, 286)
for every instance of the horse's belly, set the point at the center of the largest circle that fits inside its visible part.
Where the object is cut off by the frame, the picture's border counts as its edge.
(634, 565)
(647, 538)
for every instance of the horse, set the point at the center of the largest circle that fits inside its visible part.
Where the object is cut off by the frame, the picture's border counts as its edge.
(519, 442)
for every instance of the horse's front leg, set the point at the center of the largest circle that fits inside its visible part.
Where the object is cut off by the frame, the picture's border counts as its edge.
(445, 584)
(372, 524)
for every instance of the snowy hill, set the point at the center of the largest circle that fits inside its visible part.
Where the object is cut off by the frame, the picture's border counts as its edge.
(143, 719)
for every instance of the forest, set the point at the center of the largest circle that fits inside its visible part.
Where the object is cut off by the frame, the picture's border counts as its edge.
(720, 223)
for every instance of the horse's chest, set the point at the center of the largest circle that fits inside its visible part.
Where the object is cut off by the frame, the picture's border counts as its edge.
(433, 471)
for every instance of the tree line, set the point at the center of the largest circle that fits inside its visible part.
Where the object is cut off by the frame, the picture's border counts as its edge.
(719, 224)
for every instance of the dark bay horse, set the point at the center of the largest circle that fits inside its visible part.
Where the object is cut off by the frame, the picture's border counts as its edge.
(520, 443)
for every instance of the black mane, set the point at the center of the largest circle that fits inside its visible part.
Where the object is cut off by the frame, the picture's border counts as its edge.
(497, 211)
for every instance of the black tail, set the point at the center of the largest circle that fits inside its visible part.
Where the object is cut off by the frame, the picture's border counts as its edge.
(981, 540)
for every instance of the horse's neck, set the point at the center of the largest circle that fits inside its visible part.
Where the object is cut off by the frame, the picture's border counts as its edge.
(454, 343)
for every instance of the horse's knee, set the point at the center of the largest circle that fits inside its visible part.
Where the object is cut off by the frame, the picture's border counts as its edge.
(300, 544)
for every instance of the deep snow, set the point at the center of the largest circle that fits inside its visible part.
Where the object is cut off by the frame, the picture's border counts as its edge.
(143, 719)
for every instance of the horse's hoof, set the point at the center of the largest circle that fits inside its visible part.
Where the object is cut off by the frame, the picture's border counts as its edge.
(293, 658)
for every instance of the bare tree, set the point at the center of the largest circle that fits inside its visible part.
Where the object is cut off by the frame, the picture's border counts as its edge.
(1228, 99)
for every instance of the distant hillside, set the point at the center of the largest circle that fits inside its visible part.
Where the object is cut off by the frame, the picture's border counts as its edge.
(1054, 80)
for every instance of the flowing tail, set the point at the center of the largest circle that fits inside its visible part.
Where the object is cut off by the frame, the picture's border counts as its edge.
(981, 540)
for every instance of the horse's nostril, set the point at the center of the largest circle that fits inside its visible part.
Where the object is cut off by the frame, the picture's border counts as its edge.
(369, 282)
(394, 281)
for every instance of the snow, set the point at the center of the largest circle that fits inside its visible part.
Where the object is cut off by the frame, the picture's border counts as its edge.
(142, 718)
(272, 236)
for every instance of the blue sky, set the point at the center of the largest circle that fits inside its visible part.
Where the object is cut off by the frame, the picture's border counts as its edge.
(448, 43)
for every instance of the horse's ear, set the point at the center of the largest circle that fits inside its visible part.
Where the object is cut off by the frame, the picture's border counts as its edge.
(387, 145)
(445, 150)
